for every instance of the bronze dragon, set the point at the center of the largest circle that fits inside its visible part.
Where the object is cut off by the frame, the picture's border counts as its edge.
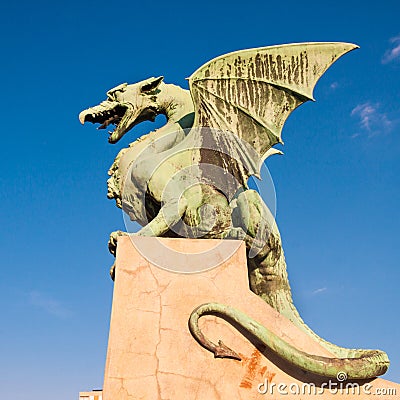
(189, 178)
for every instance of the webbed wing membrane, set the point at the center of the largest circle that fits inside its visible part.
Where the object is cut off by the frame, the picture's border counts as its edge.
(252, 92)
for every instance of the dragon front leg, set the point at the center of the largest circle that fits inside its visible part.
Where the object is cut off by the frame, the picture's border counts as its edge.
(167, 217)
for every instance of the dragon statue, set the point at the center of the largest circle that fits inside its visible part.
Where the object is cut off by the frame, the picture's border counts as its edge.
(190, 177)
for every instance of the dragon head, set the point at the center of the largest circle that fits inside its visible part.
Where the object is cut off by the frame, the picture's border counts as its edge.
(125, 107)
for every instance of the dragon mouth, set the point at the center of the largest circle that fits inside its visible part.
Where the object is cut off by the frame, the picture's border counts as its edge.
(123, 116)
(108, 116)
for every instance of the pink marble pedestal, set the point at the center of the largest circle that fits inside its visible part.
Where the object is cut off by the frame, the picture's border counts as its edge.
(152, 355)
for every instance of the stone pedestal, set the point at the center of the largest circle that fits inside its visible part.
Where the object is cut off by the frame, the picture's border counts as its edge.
(152, 355)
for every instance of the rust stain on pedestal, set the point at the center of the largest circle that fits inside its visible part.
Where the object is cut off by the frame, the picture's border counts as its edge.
(151, 353)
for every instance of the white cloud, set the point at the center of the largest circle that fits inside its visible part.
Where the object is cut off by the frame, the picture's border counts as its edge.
(48, 304)
(334, 85)
(394, 52)
(371, 119)
(320, 290)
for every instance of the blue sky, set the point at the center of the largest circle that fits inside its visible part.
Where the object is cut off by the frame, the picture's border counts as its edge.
(337, 185)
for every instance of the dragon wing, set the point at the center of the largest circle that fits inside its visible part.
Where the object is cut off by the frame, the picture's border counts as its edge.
(252, 92)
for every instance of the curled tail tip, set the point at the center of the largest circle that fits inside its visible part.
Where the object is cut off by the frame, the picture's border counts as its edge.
(223, 351)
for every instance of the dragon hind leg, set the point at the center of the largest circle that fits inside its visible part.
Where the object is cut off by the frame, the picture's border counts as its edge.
(267, 270)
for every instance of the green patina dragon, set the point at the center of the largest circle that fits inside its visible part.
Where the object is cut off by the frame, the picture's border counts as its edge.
(189, 178)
